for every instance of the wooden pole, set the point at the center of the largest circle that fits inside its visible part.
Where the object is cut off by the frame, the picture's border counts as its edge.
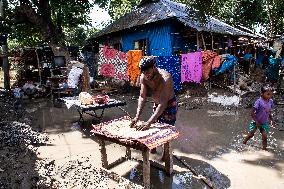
(6, 66)
(197, 41)
(168, 154)
(39, 66)
(234, 78)
(146, 168)
(203, 41)
(212, 41)
(103, 153)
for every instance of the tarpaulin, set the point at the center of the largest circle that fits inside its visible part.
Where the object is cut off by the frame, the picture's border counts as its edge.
(172, 65)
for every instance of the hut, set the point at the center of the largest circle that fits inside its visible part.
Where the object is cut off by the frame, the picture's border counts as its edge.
(163, 28)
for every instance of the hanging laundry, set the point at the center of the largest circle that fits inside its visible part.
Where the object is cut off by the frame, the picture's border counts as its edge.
(117, 59)
(109, 53)
(207, 63)
(272, 72)
(133, 59)
(172, 65)
(191, 67)
(216, 62)
(107, 70)
(227, 64)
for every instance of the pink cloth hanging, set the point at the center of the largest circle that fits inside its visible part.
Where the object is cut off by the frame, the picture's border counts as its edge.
(191, 67)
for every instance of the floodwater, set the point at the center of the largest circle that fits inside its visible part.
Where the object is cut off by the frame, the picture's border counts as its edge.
(209, 146)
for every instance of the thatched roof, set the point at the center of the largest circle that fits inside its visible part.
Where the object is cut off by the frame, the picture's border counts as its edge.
(157, 10)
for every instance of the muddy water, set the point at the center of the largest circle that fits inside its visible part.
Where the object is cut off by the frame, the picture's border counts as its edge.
(210, 143)
(205, 130)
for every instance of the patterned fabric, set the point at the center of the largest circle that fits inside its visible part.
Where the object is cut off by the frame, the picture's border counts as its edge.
(172, 65)
(208, 58)
(163, 136)
(107, 70)
(191, 67)
(112, 63)
(133, 59)
(169, 114)
(165, 133)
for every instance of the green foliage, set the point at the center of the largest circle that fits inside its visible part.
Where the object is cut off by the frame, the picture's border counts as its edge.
(75, 36)
(48, 21)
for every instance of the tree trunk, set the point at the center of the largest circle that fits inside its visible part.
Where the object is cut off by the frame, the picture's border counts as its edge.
(270, 16)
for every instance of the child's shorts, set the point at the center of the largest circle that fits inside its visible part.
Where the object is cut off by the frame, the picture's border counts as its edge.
(263, 127)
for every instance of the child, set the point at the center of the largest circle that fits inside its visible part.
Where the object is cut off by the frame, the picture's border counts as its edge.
(261, 115)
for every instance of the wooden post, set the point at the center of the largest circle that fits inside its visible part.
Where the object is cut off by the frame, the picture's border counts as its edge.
(128, 153)
(212, 41)
(6, 66)
(197, 40)
(168, 153)
(103, 153)
(234, 78)
(203, 41)
(39, 66)
(146, 168)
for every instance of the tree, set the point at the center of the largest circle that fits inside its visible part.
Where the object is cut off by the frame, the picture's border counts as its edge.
(46, 20)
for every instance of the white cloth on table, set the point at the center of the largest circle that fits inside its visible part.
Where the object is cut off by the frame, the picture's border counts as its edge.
(72, 102)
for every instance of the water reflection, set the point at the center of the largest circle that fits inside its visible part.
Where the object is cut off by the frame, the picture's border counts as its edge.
(159, 179)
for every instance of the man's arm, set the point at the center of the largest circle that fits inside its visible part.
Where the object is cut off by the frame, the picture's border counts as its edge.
(141, 102)
(142, 99)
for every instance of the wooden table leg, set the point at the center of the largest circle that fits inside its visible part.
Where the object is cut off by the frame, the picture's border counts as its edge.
(146, 168)
(103, 153)
(168, 154)
(128, 153)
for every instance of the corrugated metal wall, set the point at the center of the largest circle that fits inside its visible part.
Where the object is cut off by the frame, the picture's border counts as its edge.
(158, 36)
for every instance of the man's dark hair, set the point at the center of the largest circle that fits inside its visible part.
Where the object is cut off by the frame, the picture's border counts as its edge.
(146, 63)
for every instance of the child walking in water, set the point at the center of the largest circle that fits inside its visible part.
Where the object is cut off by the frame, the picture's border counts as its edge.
(261, 115)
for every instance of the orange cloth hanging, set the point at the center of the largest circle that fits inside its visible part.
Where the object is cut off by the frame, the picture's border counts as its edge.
(207, 61)
(133, 59)
(216, 62)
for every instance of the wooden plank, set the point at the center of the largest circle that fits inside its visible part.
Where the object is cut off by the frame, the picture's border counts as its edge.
(103, 153)
(116, 162)
(146, 168)
(168, 154)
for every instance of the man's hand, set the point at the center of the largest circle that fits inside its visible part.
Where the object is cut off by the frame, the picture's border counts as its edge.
(144, 126)
(133, 122)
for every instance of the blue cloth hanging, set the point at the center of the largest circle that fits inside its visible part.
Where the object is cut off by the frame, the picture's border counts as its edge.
(227, 64)
(272, 72)
(172, 65)
(247, 57)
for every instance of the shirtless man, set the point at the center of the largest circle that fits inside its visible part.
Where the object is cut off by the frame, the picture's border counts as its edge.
(160, 83)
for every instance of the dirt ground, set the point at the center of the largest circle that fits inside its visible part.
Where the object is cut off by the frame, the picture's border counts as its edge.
(210, 146)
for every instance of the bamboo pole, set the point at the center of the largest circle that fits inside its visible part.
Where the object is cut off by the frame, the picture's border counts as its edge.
(212, 41)
(203, 41)
(197, 40)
